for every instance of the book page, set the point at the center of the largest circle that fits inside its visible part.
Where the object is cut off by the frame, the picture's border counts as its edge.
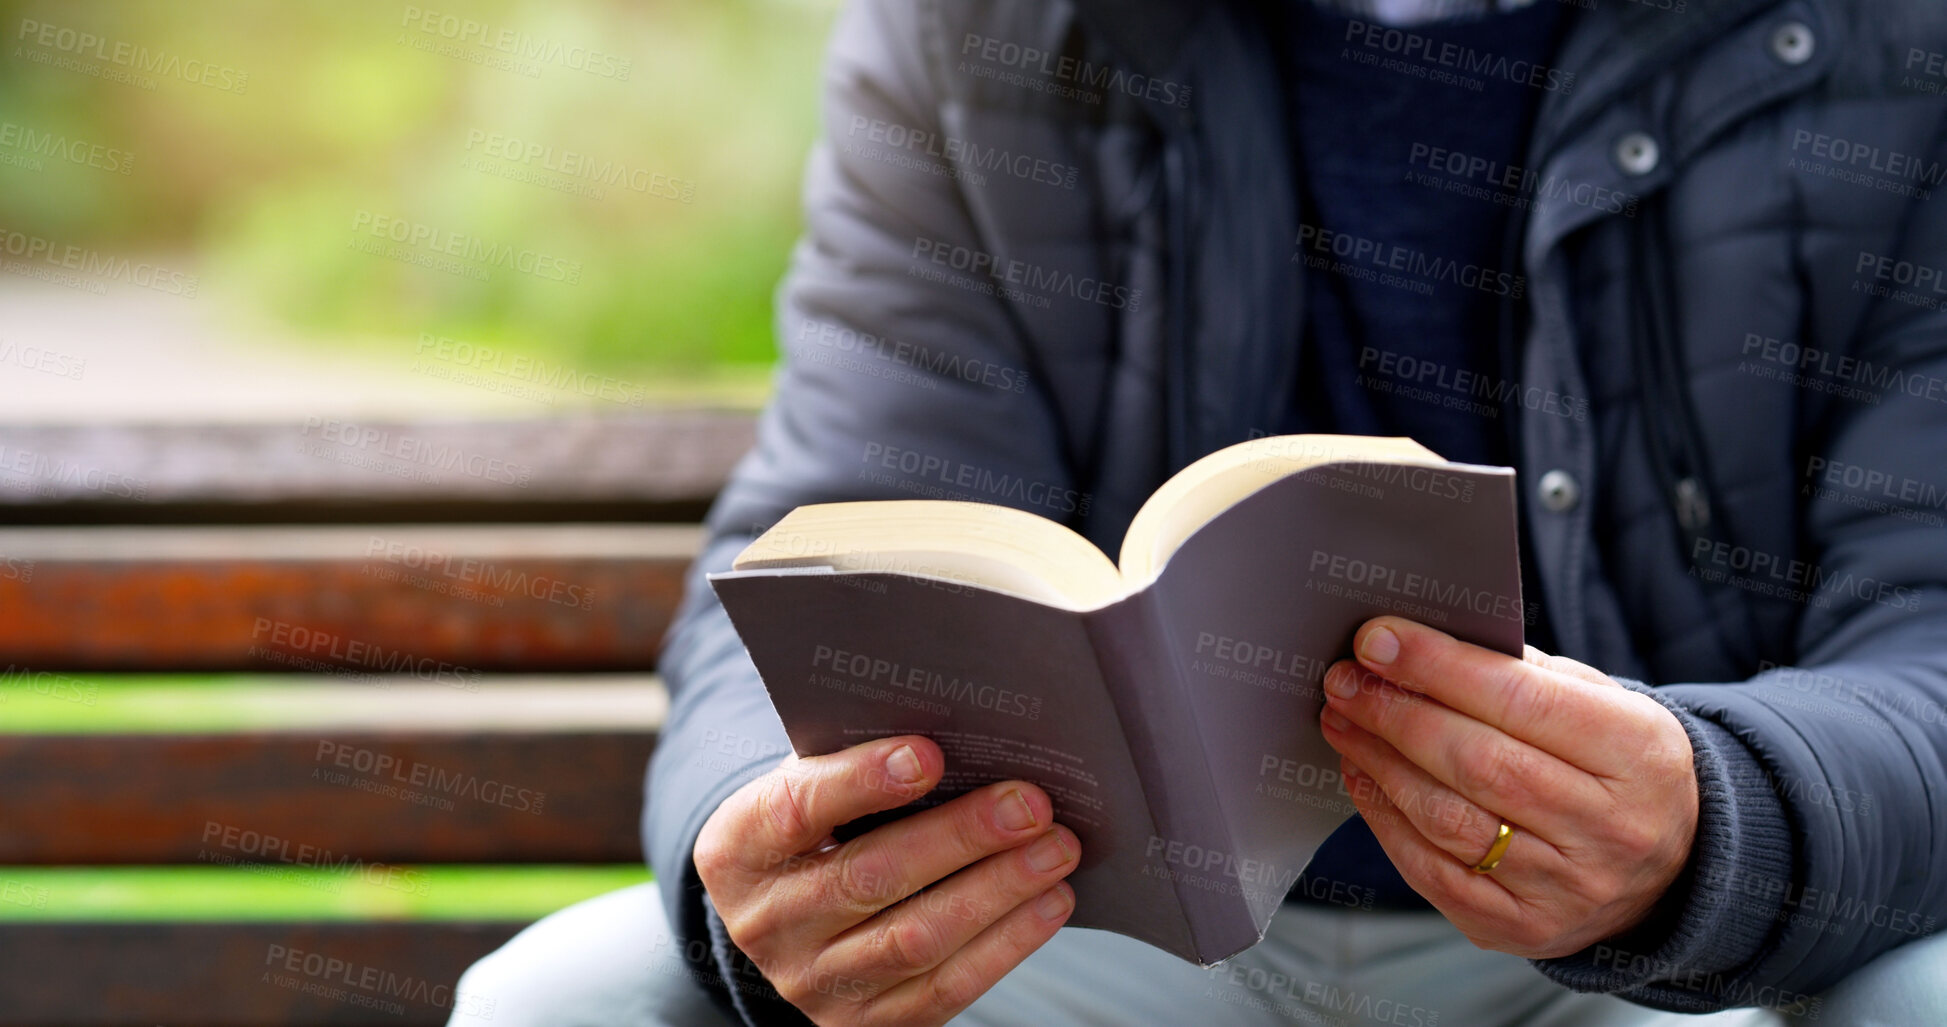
(1211, 485)
(998, 547)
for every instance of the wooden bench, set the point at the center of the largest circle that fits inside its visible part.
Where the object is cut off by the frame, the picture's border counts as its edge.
(461, 619)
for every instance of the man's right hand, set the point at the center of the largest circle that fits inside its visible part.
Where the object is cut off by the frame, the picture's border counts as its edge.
(906, 924)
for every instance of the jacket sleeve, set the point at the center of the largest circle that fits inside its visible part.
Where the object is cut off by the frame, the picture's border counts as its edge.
(1823, 825)
(896, 383)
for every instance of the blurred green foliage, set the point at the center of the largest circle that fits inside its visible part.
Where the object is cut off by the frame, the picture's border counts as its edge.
(274, 891)
(697, 114)
(170, 703)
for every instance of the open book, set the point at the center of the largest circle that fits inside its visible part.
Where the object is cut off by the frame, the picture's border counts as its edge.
(1168, 705)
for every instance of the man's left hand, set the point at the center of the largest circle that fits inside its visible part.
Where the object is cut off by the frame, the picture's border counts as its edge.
(1442, 742)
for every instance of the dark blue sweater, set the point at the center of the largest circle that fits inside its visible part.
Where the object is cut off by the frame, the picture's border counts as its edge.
(1408, 278)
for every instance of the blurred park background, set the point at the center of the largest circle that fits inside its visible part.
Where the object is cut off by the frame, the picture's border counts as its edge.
(647, 152)
(235, 235)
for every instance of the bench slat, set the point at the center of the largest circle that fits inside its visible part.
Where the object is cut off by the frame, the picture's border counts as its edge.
(238, 974)
(377, 797)
(663, 465)
(441, 603)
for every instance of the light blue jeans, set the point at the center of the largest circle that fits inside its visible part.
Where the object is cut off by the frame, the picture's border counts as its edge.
(610, 961)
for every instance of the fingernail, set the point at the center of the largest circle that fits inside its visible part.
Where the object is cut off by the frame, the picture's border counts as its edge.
(1339, 682)
(903, 765)
(1334, 719)
(1014, 813)
(1054, 903)
(1381, 646)
(1048, 853)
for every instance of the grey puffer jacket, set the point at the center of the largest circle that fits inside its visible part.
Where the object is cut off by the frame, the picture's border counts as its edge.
(1049, 259)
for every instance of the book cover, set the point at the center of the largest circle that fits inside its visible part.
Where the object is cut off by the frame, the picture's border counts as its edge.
(1170, 715)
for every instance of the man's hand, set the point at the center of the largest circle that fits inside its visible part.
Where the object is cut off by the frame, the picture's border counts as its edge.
(906, 924)
(1442, 741)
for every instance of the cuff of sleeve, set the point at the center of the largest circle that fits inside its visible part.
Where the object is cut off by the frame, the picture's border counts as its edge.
(751, 998)
(1718, 915)
(734, 983)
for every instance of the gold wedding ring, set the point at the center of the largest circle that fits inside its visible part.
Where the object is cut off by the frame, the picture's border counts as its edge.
(1495, 851)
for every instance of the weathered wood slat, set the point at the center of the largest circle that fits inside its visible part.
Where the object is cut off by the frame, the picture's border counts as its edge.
(439, 603)
(239, 974)
(316, 799)
(663, 465)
